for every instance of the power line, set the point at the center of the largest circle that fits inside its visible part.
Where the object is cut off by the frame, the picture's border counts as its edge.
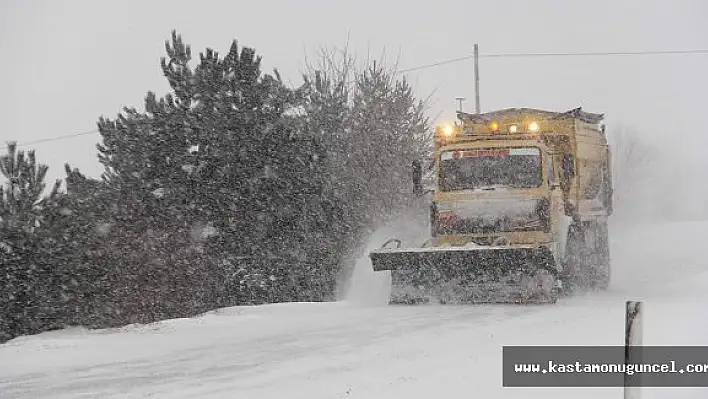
(434, 64)
(57, 138)
(586, 54)
(606, 53)
(455, 60)
(577, 54)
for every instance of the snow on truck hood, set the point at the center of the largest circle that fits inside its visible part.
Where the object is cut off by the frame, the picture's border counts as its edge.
(491, 208)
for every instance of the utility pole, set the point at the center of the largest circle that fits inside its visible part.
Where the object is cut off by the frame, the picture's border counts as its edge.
(476, 78)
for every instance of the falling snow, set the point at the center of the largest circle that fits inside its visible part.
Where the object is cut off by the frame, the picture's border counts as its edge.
(223, 250)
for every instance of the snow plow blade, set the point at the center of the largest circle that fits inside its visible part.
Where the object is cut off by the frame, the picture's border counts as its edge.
(525, 274)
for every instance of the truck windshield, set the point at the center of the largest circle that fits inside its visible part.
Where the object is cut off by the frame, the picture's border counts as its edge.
(490, 168)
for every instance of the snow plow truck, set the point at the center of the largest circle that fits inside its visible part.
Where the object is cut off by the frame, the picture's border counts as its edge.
(519, 211)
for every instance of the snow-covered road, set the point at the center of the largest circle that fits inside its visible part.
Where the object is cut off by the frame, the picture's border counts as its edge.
(360, 349)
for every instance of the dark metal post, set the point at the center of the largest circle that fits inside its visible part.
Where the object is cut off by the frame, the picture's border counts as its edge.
(632, 338)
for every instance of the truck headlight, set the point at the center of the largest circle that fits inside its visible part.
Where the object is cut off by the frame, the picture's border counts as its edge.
(448, 130)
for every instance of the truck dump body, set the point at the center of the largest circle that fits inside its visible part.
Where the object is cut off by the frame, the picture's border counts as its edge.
(509, 186)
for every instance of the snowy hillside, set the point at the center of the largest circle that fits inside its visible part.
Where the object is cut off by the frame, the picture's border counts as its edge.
(360, 349)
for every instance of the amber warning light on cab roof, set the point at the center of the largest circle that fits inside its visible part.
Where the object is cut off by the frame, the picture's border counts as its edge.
(450, 131)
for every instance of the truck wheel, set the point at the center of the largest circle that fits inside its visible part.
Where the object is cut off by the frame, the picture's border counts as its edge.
(602, 256)
(573, 264)
(587, 264)
(596, 257)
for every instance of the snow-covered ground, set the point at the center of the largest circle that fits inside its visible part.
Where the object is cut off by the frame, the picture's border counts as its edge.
(360, 348)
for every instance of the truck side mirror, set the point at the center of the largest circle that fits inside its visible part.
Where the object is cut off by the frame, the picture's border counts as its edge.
(417, 178)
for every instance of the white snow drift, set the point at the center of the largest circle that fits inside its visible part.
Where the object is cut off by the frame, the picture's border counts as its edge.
(360, 348)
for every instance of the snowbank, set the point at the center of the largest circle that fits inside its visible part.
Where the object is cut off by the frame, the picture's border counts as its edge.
(331, 350)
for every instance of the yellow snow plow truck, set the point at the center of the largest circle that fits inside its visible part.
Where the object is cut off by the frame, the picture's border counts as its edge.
(519, 211)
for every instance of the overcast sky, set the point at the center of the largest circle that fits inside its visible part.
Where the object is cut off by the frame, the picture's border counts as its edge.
(66, 63)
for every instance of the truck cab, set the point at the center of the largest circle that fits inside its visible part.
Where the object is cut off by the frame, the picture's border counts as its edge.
(520, 177)
(519, 211)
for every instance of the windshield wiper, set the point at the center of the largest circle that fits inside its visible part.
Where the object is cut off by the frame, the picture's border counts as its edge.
(493, 187)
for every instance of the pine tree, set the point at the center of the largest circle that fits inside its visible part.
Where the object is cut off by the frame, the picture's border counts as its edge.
(76, 223)
(225, 151)
(26, 263)
(372, 127)
(388, 133)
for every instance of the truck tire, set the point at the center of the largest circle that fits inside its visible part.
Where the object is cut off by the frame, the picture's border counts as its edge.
(573, 264)
(587, 261)
(603, 272)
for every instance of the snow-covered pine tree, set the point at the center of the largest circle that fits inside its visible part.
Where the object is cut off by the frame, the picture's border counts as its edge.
(76, 222)
(373, 127)
(222, 161)
(27, 297)
(388, 132)
(325, 112)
